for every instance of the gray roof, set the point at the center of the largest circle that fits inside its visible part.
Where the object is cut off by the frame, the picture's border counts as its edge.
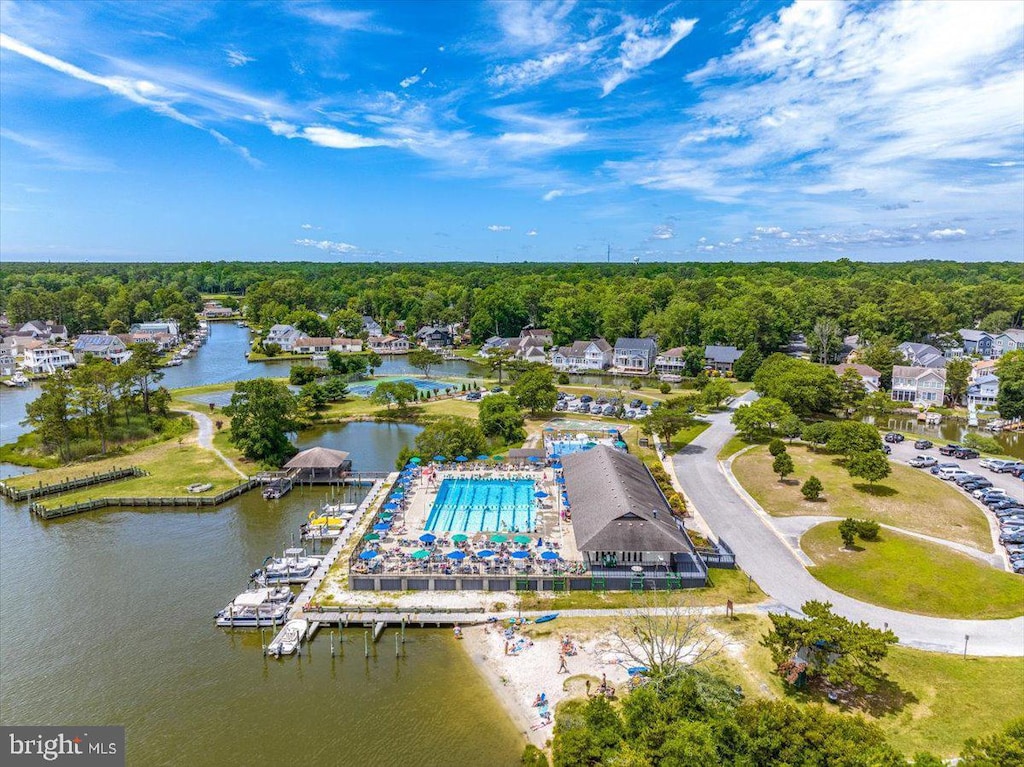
(525, 453)
(613, 498)
(645, 345)
(318, 458)
(722, 353)
(89, 342)
(973, 335)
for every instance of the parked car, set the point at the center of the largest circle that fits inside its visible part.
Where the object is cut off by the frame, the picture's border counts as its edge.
(1017, 471)
(977, 484)
(595, 410)
(1013, 511)
(966, 453)
(1006, 467)
(922, 461)
(608, 410)
(636, 403)
(949, 449)
(496, 390)
(987, 492)
(586, 399)
(940, 466)
(961, 479)
(1006, 503)
(923, 444)
(1011, 538)
(560, 406)
(894, 436)
(952, 473)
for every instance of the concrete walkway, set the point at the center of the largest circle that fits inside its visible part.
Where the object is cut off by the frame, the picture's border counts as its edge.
(205, 439)
(763, 552)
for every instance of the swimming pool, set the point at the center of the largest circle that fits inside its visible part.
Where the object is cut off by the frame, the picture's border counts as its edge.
(483, 505)
(564, 447)
(421, 384)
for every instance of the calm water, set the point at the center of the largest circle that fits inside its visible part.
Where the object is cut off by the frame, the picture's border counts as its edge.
(108, 618)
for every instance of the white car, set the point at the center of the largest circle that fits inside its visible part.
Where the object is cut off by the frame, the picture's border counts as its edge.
(952, 473)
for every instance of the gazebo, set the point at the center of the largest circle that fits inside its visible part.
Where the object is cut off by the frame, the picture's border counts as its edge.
(319, 463)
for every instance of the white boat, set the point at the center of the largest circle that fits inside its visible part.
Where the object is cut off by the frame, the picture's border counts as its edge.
(319, 358)
(18, 379)
(293, 567)
(257, 608)
(288, 641)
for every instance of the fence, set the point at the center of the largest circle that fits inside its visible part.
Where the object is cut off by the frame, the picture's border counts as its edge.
(718, 555)
(40, 490)
(101, 503)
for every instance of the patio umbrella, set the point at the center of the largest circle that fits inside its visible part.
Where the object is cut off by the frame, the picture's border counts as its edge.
(620, 443)
(428, 538)
(484, 553)
(439, 458)
(390, 505)
(533, 459)
(371, 537)
(380, 527)
(540, 494)
(548, 428)
(522, 539)
(415, 460)
(483, 457)
(560, 480)
(499, 538)
(613, 431)
(385, 516)
(456, 555)
(555, 456)
(420, 554)
(368, 555)
(497, 458)
(556, 466)
(590, 445)
(460, 538)
(461, 458)
(549, 555)
(520, 554)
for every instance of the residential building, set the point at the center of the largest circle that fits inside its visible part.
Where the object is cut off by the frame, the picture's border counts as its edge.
(922, 355)
(983, 392)
(538, 336)
(671, 361)
(347, 345)
(635, 355)
(371, 326)
(284, 336)
(104, 346)
(47, 331)
(6, 361)
(918, 383)
(595, 354)
(47, 359)
(315, 345)
(980, 369)
(389, 344)
(494, 343)
(215, 312)
(170, 327)
(721, 358)
(434, 336)
(532, 353)
(870, 377)
(976, 342)
(1010, 340)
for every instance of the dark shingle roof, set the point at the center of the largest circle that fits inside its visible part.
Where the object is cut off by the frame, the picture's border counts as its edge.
(722, 353)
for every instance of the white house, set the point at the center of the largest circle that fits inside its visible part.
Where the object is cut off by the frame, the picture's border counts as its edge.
(104, 346)
(983, 392)
(583, 355)
(371, 326)
(284, 336)
(635, 355)
(47, 331)
(671, 361)
(918, 384)
(870, 377)
(922, 355)
(6, 361)
(47, 359)
(389, 344)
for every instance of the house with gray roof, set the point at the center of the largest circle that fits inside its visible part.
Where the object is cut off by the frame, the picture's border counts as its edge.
(721, 358)
(285, 336)
(984, 392)
(1009, 340)
(621, 519)
(922, 355)
(918, 383)
(634, 355)
(595, 354)
(976, 342)
(104, 346)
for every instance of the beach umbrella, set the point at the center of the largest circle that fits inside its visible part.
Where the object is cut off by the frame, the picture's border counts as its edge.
(385, 516)
(460, 537)
(415, 460)
(620, 443)
(533, 459)
(483, 458)
(522, 539)
(428, 537)
(461, 458)
(371, 537)
(497, 458)
(556, 466)
(398, 493)
(589, 445)
(439, 458)
(540, 494)
(560, 480)
(390, 505)
(456, 555)
(484, 553)
(549, 555)
(520, 554)
(368, 555)
(613, 431)
(380, 527)
(555, 456)
(548, 428)
(499, 538)
(420, 554)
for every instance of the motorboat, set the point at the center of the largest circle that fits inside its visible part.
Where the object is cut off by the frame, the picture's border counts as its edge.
(257, 608)
(18, 379)
(293, 567)
(288, 641)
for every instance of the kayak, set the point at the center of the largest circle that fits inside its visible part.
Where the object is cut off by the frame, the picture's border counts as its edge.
(546, 618)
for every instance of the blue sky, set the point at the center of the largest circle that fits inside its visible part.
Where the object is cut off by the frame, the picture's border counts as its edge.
(508, 131)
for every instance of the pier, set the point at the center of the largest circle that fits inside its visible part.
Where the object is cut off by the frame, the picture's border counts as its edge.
(67, 485)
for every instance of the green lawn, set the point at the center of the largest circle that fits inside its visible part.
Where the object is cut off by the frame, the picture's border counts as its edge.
(912, 575)
(733, 446)
(909, 498)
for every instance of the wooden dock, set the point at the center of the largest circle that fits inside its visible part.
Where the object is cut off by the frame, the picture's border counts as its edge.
(382, 617)
(24, 494)
(194, 501)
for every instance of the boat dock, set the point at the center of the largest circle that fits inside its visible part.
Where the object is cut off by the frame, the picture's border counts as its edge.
(383, 617)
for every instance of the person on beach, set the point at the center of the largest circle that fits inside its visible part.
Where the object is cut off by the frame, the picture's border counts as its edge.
(562, 668)
(588, 688)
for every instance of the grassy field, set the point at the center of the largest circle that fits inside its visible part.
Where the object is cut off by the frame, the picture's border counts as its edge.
(909, 498)
(909, 574)
(733, 446)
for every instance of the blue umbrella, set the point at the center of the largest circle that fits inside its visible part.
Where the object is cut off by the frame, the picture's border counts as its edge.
(380, 527)
(520, 554)
(483, 457)
(613, 431)
(368, 555)
(398, 492)
(549, 555)
(560, 480)
(548, 428)
(461, 458)
(533, 459)
(556, 466)
(439, 458)
(456, 555)
(555, 456)
(390, 505)
(411, 465)
(540, 494)
(428, 537)
(484, 553)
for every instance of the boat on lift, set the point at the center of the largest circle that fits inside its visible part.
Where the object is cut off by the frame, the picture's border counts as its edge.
(257, 608)
(293, 567)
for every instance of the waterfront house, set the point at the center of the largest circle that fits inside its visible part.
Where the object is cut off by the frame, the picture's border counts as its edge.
(922, 355)
(918, 383)
(389, 344)
(322, 345)
(284, 336)
(102, 345)
(48, 331)
(434, 337)
(44, 358)
(621, 519)
(536, 337)
(1010, 340)
(634, 355)
(495, 343)
(595, 354)
(347, 345)
(218, 312)
(6, 361)
(532, 353)
(983, 392)
(976, 342)
(671, 361)
(980, 369)
(870, 377)
(371, 326)
(170, 327)
(721, 358)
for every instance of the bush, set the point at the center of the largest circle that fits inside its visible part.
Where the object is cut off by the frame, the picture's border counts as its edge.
(812, 488)
(534, 757)
(848, 531)
(783, 465)
(563, 379)
(776, 447)
(982, 443)
(635, 384)
(867, 530)
(271, 350)
(664, 388)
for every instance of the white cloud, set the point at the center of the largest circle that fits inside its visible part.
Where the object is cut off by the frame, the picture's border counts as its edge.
(327, 245)
(57, 151)
(532, 233)
(525, 74)
(307, 226)
(554, 194)
(527, 24)
(947, 234)
(236, 58)
(337, 18)
(413, 79)
(499, 228)
(663, 232)
(537, 133)
(642, 46)
(329, 136)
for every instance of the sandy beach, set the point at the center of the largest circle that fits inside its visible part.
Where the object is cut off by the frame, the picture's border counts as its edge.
(518, 679)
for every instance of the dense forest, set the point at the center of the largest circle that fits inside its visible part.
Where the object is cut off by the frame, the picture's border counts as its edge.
(746, 305)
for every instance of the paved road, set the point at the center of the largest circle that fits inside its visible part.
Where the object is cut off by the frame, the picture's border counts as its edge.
(205, 439)
(762, 553)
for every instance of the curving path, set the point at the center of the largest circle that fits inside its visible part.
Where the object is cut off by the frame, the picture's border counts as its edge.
(205, 439)
(763, 553)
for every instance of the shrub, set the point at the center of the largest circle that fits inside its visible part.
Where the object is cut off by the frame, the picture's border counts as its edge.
(271, 350)
(776, 447)
(563, 379)
(534, 757)
(867, 530)
(848, 531)
(984, 444)
(635, 384)
(812, 488)
(664, 388)
(783, 465)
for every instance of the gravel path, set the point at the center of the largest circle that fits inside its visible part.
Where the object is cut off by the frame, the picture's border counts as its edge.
(205, 439)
